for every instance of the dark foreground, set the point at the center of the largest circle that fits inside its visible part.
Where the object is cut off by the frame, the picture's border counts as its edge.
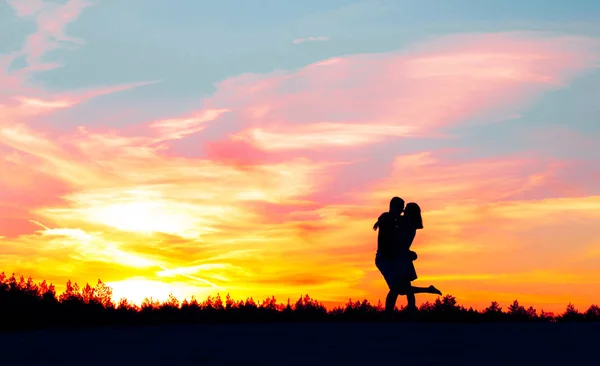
(303, 344)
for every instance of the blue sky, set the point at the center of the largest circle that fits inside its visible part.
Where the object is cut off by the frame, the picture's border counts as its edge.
(195, 43)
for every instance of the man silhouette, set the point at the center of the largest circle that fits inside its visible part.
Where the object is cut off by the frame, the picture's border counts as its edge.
(385, 258)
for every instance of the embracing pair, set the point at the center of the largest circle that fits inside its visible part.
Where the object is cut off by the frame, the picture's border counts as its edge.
(394, 259)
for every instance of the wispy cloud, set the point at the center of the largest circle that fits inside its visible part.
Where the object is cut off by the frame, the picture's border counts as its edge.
(51, 19)
(38, 104)
(27, 8)
(177, 128)
(311, 39)
(403, 94)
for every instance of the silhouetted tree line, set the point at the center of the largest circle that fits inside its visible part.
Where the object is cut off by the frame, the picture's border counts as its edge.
(25, 304)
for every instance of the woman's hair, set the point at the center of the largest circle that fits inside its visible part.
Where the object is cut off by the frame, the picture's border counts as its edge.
(412, 211)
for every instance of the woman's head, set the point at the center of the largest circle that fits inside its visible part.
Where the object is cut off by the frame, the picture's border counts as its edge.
(413, 213)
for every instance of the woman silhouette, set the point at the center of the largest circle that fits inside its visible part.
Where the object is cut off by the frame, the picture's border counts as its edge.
(407, 231)
(394, 259)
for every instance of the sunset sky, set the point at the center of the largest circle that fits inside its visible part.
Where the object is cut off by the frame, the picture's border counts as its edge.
(247, 147)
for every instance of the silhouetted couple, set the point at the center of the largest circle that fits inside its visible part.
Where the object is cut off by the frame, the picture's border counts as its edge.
(394, 259)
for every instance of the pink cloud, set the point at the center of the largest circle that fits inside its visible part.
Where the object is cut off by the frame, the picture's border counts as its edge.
(509, 177)
(8, 83)
(564, 140)
(364, 99)
(239, 153)
(26, 8)
(20, 104)
(23, 189)
(51, 19)
(33, 103)
(177, 128)
(322, 135)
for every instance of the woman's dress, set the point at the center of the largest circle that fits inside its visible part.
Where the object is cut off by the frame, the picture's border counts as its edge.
(404, 260)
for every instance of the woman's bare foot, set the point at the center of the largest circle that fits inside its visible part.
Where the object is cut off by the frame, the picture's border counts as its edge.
(435, 290)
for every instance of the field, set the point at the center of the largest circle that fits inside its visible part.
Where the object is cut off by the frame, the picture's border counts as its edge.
(309, 344)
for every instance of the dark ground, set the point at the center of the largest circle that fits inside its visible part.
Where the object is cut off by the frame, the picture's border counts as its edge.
(309, 344)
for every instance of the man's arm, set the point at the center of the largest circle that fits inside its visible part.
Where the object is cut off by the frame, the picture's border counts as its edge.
(381, 218)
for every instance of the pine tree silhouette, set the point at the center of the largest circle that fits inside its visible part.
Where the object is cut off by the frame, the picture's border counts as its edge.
(25, 304)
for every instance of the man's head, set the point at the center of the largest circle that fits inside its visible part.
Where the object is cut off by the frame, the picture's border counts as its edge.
(396, 206)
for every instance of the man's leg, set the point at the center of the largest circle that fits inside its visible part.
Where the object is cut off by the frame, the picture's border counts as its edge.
(411, 301)
(388, 271)
(390, 301)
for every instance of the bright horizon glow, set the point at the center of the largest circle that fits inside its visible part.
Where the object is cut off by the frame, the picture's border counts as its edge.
(249, 153)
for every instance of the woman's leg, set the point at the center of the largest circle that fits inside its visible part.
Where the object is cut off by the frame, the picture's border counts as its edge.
(412, 290)
(405, 288)
(425, 290)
